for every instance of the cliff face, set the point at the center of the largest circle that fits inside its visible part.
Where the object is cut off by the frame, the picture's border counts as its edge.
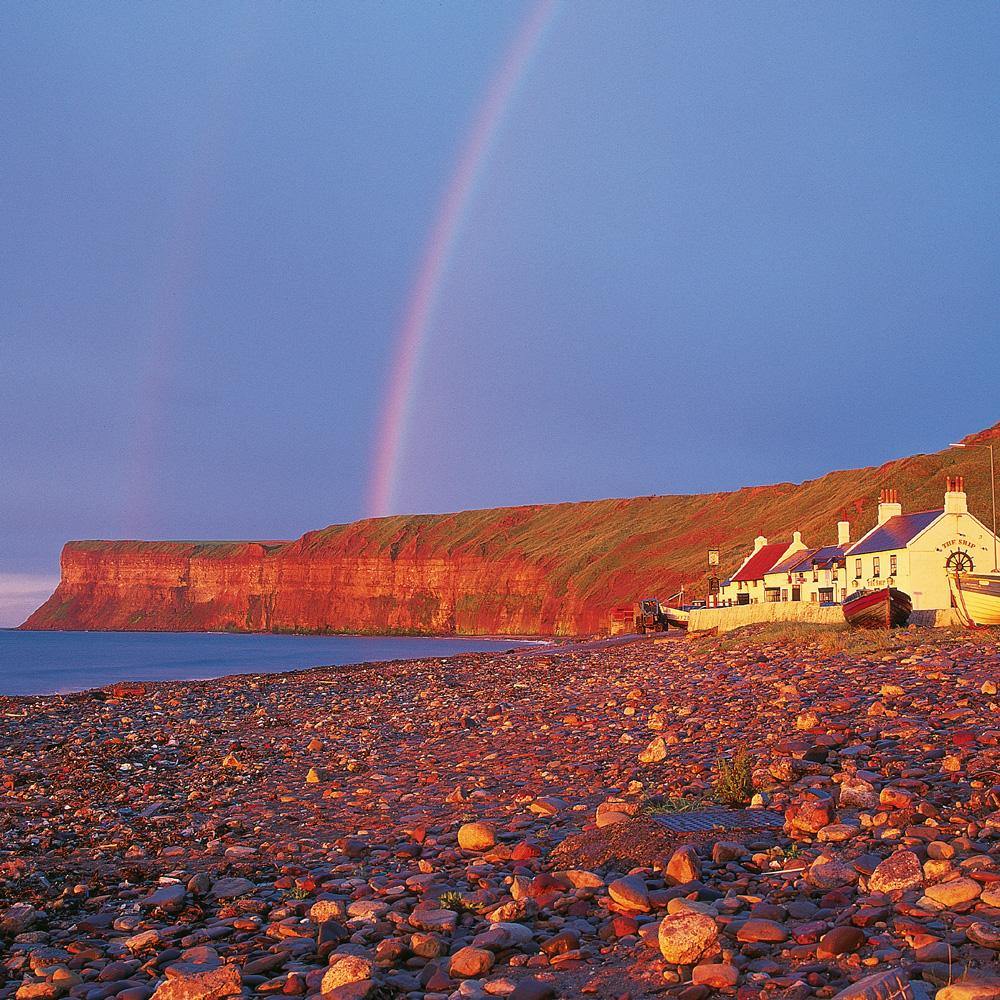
(553, 569)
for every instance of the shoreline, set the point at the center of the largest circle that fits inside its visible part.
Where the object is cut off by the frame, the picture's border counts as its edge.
(182, 662)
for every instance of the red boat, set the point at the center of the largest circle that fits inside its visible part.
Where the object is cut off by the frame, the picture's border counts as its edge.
(886, 608)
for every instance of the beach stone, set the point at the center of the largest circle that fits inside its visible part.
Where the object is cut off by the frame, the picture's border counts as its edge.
(327, 909)
(348, 969)
(954, 893)
(169, 898)
(470, 963)
(655, 752)
(18, 918)
(630, 892)
(438, 921)
(840, 941)
(684, 938)
(857, 793)
(892, 984)
(720, 976)
(533, 989)
(984, 934)
(360, 990)
(757, 929)
(973, 986)
(222, 981)
(727, 850)
(684, 865)
(808, 815)
(231, 888)
(899, 872)
(476, 837)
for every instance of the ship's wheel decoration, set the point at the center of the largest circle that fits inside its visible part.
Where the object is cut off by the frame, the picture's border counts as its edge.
(959, 562)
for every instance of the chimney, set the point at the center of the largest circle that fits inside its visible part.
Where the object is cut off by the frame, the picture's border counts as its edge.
(955, 500)
(843, 533)
(797, 540)
(888, 506)
(759, 542)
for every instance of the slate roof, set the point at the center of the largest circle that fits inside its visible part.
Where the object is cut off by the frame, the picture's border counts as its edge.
(760, 562)
(822, 557)
(790, 565)
(896, 533)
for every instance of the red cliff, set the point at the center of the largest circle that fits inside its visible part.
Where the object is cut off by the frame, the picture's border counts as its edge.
(553, 569)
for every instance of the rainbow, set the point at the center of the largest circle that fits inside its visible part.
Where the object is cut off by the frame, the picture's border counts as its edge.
(438, 250)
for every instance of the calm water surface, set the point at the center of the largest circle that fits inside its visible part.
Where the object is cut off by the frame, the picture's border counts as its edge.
(58, 662)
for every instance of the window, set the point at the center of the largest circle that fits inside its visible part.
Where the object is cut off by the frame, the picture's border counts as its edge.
(772, 595)
(876, 567)
(892, 565)
(815, 575)
(857, 569)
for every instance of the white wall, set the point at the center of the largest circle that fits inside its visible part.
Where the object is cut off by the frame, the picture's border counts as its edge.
(920, 570)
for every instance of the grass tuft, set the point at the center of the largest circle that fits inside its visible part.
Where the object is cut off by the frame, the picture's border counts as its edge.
(659, 805)
(733, 783)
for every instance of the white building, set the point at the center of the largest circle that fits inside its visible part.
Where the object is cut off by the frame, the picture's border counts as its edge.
(746, 585)
(815, 576)
(916, 552)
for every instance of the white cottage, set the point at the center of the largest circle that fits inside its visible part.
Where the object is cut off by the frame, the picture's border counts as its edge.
(916, 552)
(813, 576)
(746, 585)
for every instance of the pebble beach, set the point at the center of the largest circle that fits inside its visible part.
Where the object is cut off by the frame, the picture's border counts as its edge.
(491, 825)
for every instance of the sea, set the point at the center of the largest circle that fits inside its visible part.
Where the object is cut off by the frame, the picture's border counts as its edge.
(62, 662)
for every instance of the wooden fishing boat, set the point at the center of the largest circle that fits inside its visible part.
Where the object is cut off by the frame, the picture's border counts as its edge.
(977, 597)
(885, 608)
(676, 617)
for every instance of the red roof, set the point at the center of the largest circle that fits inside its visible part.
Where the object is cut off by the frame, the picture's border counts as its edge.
(760, 563)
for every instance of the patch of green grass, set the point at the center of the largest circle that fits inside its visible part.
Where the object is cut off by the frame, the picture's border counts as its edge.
(659, 805)
(733, 780)
(453, 901)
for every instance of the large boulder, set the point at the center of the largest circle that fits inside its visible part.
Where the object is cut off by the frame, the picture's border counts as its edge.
(350, 969)
(210, 984)
(974, 986)
(899, 872)
(684, 938)
(476, 837)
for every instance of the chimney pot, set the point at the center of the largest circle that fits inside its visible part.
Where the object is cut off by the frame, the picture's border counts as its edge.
(955, 500)
(889, 505)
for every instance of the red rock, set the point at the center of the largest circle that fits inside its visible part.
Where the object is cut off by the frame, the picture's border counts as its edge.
(476, 837)
(897, 873)
(756, 930)
(840, 941)
(684, 938)
(470, 963)
(223, 981)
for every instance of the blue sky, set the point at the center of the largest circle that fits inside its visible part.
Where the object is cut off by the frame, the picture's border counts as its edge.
(715, 244)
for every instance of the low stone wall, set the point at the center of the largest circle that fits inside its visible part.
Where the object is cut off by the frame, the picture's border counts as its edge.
(726, 619)
(945, 618)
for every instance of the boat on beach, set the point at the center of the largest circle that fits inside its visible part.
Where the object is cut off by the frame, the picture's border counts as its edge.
(677, 617)
(885, 608)
(977, 597)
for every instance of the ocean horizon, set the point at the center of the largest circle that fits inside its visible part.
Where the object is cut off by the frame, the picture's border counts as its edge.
(43, 662)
